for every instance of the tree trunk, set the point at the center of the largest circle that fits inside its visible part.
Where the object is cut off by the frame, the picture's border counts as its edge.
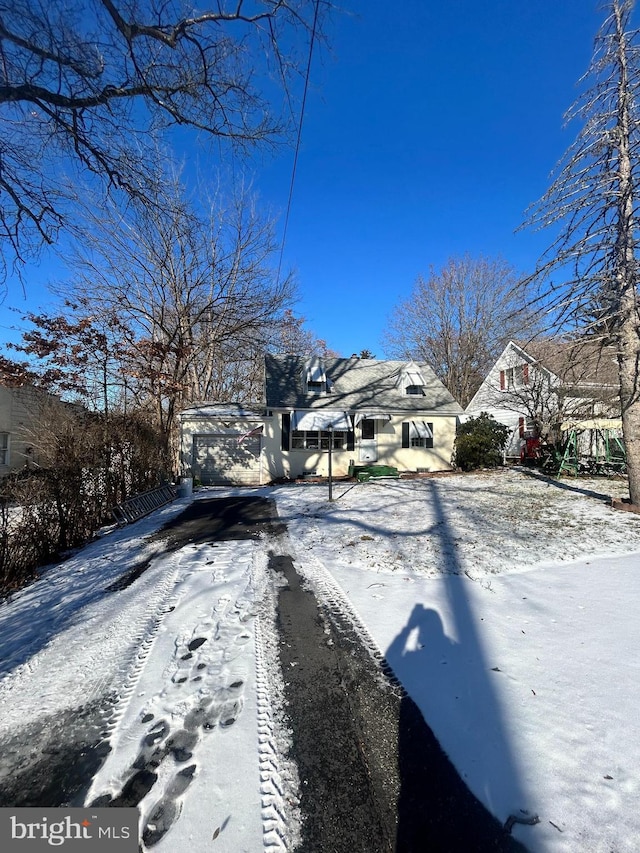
(629, 360)
(627, 324)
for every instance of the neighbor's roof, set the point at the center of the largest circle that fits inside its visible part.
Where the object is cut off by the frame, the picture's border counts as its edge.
(576, 363)
(353, 384)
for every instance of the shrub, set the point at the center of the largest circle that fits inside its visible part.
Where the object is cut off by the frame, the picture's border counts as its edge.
(83, 464)
(480, 443)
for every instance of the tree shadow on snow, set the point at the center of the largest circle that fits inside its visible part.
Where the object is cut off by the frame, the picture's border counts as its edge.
(566, 485)
(452, 685)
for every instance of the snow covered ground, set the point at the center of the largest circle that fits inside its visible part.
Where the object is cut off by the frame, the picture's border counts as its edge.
(506, 604)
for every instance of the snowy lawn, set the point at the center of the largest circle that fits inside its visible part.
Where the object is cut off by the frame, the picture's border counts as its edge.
(506, 604)
(497, 600)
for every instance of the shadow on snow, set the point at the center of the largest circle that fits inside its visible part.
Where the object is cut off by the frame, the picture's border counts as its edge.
(447, 678)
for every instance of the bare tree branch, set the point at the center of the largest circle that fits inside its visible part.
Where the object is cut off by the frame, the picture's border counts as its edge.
(459, 319)
(91, 84)
(196, 297)
(593, 204)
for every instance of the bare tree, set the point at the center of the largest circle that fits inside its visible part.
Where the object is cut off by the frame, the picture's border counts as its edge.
(86, 85)
(593, 203)
(459, 319)
(196, 297)
(295, 338)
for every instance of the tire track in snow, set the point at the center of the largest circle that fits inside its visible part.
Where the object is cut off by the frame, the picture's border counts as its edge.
(203, 688)
(49, 760)
(331, 595)
(144, 635)
(279, 781)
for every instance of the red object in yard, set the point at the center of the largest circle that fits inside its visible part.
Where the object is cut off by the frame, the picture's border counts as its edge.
(530, 449)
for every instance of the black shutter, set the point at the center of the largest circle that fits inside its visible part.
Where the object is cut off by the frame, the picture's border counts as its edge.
(405, 435)
(351, 440)
(286, 430)
(429, 441)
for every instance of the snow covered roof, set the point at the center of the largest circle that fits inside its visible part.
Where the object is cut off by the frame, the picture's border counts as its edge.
(221, 410)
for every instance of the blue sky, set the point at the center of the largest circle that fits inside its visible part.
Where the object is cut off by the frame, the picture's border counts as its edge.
(429, 128)
(427, 133)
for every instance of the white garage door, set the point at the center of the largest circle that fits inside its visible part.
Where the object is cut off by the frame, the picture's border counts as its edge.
(220, 460)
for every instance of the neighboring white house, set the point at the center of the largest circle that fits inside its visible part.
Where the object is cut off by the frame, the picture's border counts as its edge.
(532, 388)
(365, 411)
(20, 409)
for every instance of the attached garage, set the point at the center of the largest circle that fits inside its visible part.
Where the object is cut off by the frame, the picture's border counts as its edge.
(222, 445)
(220, 460)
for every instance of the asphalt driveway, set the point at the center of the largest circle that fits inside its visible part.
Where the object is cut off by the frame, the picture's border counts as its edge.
(373, 777)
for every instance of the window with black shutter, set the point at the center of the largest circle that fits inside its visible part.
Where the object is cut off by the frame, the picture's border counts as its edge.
(405, 435)
(286, 430)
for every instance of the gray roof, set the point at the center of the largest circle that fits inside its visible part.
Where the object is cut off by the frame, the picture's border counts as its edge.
(354, 384)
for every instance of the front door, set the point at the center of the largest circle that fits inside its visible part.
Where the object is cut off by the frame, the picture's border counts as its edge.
(368, 443)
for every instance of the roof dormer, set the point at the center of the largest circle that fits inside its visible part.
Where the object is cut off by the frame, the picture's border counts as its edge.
(412, 382)
(315, 377)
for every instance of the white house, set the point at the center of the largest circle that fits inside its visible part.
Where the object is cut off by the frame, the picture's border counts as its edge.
(20, 410)
(533, 388)
(316, 412)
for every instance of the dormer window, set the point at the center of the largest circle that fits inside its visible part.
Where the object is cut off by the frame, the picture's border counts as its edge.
(412, 381)
(315, 376)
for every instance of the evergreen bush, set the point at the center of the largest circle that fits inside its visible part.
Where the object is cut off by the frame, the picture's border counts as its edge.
(480, 443)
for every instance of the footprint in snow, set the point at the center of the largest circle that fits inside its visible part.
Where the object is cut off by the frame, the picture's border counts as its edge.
(163, 815)
(167, 810)
(223, 602)
(156, 732)
(181, 782)
(197, 716)
(185, 655)
(181, 743)
(229, 713)
(218, 711)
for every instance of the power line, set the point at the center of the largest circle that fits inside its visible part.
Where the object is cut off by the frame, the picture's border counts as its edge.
(295, 158)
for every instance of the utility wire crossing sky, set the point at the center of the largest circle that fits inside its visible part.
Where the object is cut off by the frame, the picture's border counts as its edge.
(427, 131)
